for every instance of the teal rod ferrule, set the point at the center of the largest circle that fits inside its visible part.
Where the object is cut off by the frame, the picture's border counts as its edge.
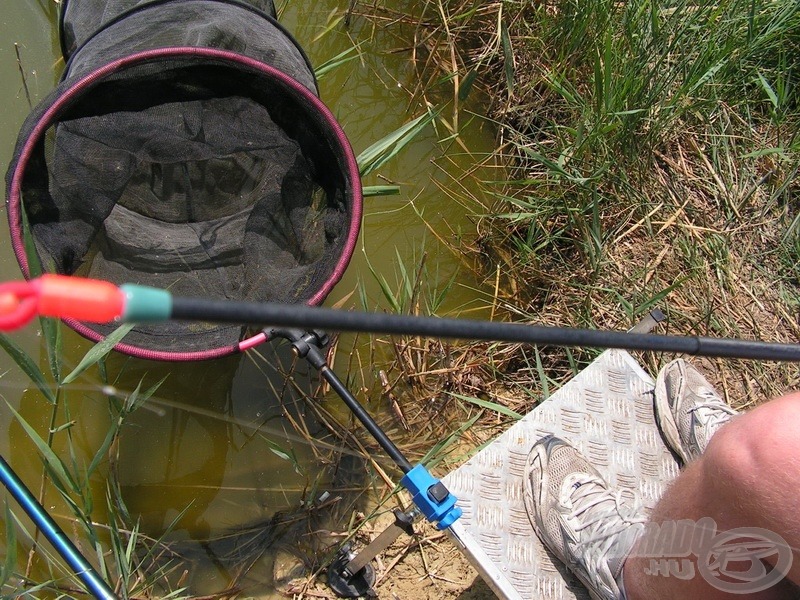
(145, 304)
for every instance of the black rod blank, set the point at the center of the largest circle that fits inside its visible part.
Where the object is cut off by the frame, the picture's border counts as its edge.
(292, 315)
(362, 415)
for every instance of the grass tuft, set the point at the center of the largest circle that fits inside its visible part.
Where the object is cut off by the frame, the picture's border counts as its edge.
(652, 152)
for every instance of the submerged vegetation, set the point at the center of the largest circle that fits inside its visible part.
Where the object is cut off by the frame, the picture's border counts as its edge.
(89, 493)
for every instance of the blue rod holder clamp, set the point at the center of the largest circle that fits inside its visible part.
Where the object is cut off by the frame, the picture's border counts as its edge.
(431, 497)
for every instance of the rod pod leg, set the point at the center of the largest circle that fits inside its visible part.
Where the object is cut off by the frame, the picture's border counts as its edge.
(430, 495)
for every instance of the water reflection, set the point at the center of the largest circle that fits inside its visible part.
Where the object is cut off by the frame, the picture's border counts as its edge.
(234, 455)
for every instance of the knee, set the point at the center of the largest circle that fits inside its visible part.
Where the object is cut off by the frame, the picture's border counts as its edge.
(757, 454)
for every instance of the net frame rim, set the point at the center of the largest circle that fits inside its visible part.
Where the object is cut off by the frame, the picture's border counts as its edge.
(50, 117)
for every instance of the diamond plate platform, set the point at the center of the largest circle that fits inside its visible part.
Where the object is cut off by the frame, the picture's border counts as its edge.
(606, 411)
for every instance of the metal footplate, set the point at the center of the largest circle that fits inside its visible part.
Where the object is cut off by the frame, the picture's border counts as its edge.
(606, 411)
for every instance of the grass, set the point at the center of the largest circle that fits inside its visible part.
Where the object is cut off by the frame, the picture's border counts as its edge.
(647, 159)
(649, 162)
(102, 527)
(650, 153)
(646, 155)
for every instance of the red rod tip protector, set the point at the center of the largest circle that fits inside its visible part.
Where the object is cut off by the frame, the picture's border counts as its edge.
(9, 303)
(81, 299)
(18, 304)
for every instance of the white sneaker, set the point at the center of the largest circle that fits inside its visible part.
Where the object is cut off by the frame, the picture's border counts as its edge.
(688, 410)
(578, 517)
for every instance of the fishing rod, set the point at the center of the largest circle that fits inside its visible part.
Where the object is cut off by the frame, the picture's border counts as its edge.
(54, 534)
(103, 302)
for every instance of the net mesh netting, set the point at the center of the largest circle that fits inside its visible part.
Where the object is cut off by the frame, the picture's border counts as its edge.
(185, 149)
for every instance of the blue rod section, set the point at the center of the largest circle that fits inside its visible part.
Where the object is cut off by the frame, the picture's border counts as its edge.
(54, 534)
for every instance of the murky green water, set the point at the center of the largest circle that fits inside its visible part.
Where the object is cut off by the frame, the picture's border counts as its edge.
(218, 447)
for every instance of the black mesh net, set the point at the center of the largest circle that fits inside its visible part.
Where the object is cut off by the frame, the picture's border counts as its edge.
(185, 149)
(79, 20)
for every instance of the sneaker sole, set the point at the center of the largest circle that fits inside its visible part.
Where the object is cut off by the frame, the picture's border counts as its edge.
(666, 420)
(528, 493)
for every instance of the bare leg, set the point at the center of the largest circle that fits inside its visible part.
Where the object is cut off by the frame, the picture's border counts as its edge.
(749, 476)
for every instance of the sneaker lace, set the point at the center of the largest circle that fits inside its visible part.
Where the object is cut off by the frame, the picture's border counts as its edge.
(712, 413)
(601, 519)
